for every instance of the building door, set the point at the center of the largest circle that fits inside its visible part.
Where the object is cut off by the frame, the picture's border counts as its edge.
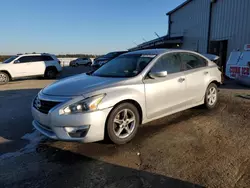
(219, 48)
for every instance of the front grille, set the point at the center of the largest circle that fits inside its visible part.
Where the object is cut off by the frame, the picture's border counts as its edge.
(44, 106)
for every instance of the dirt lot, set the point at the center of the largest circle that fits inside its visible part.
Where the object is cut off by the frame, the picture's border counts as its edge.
(205, 148)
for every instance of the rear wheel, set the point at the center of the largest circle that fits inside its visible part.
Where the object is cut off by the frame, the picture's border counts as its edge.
(211, 96)
(4, 78)
(123, 123)
(50, 73)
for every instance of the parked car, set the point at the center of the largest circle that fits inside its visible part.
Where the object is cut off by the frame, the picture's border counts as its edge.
(132, 89)
(81, 61)
(26, 65)
(100, 61)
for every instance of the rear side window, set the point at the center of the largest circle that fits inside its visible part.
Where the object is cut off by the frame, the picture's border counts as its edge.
(169, 62)
(192, 61)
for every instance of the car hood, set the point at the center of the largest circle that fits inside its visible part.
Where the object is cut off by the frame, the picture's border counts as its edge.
(80, 84)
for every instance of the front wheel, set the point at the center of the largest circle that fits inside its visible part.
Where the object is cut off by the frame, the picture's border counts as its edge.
(123, 123)
(4, 78)
(211, 97)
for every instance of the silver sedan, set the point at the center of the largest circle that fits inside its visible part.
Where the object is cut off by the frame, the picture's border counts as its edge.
(130, 90)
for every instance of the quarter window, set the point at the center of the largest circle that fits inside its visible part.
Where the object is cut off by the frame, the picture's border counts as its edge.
(192, 61)
(170, 63)
(46, 58)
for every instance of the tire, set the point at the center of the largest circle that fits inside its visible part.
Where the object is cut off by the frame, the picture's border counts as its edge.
(120, 129)
(4, 78)
(211, 96)
(50, 73)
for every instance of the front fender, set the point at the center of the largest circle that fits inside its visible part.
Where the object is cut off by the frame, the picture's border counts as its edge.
(122, 93)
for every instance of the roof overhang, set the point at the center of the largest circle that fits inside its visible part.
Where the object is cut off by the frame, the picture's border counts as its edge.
(159, 41)
(179, 7)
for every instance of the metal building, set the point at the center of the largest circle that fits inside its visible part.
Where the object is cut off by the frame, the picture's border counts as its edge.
(213, 26)
(209, 26)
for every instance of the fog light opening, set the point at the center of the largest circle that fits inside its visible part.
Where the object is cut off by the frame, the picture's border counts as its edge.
(77, 132)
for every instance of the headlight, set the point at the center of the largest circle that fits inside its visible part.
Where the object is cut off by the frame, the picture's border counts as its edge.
(85, 105)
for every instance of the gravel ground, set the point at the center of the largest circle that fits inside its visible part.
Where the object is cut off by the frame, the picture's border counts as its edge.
(205, 148)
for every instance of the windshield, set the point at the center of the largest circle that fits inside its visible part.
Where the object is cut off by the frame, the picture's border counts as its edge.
(124, 66)
(10, 59)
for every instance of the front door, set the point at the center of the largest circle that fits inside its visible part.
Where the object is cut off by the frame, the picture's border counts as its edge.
(29, 66)
(197, 75)
(165, 95)
(20, 67)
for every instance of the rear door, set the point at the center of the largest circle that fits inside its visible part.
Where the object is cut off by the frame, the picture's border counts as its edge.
(165, 95)
(197, 75)
(36, 66)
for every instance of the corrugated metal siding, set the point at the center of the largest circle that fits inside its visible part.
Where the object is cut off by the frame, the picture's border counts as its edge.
(231, 21)
(191, 21)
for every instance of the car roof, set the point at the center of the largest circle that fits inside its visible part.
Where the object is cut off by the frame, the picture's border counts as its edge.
(150, 51)
(34, 54)
(159, 51)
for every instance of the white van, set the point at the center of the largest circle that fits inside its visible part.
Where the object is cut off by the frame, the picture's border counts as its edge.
(238, 65)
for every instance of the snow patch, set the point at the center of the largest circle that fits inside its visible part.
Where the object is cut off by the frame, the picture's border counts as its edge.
(34, 139)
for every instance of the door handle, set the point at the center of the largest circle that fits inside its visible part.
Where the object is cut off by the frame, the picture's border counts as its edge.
(181, 80)
(206, 72)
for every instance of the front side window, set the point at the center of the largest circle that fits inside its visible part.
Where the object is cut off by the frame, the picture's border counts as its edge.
(124, 66)
(25, 59)
(192, 61)
(169, 62)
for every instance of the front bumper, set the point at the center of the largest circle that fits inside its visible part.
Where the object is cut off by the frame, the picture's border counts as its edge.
(53, 125)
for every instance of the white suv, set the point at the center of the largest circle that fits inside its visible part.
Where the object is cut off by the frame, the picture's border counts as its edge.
(26, 65)
(81, 61)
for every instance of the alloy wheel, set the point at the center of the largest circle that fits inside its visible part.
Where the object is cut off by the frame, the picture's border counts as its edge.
(124, 123)
(3, 78)
(51, 74)
(211, 96)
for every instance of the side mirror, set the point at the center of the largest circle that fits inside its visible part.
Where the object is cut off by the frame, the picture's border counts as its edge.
(159, 74)
(17, 61)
